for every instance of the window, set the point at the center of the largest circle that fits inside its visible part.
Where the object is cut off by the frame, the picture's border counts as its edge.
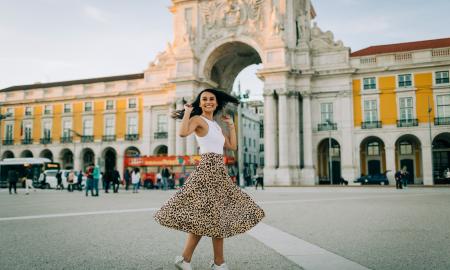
(109, 126)
(404, 80)
(370, 111)
(161, 123)
(88, 106)
(132, 127)
(28, 111)
(9, 131)
(47, 109)
(326, 112)
(373, 149)
(369, 83)
(442, 77)
(110, 105)
(132, 103)
(87, 127)
(405, 148)
(443, 106)
(245, 141)
(27, 131)
(10, 111)
(67, 108)
(67, 126)
(406, 108)
(47, 130)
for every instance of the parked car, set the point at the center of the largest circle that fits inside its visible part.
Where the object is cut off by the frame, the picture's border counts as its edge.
(50, 179)
(373, 179)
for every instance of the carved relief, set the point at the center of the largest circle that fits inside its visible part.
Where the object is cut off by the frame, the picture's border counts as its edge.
(324, 40)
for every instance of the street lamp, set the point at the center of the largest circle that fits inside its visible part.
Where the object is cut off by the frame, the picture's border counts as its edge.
(330, 125)
(240, 97)
(431, 139)
(2, 116)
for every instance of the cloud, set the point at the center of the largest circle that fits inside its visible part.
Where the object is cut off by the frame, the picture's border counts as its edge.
(95, 14)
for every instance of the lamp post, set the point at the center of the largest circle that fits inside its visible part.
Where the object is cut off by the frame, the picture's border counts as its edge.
(2, 116)
(431, 139)
(241, 97)
(330, 125)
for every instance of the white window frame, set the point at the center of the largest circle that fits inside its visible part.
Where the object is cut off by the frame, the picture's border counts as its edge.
(413, 112)
(10, 110)
(50, 112)
(369, 89)
(92, 106)
(435, 78)
(129, 131)
(113, 126)
(26, 111)
(408, 86)
(69, 105)
(44, 123)
(136, 103)
(158, 116)
(64, 128)
(85, 120)
(446, 109)
(377, 110)
(11, 124)
(113, 105)
(27, 125)
(328, 112)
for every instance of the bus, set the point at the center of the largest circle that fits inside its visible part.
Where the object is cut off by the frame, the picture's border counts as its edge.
(180, 166)
(37, 165)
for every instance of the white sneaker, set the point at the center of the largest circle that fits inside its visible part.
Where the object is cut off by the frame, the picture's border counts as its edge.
(181, 264)
(223, 266)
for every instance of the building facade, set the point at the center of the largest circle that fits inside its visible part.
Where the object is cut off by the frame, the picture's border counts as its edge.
(328, 112)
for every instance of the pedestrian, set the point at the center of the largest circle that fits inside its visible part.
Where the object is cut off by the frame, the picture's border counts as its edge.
(59, 184)
(116, 180)
(447, 175)
(398, 179)
(135, 179)
(70, 180)
(29, 179)
(90, 179)
(405, 177)
(96, 178)
(165, 174)
(107, 179)
(13, 177)
(259, 177)
(158, 180)
(80, 180)
(209, 204)
(127, 178)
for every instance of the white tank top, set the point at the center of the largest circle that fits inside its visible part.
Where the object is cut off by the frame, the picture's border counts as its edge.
(213, 141)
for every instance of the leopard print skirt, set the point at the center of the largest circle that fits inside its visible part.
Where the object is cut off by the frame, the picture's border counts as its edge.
(209, 203)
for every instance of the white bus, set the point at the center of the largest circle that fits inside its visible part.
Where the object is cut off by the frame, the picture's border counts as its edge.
(37, 165)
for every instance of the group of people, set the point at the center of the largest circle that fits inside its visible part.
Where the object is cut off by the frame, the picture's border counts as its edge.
(401, 178)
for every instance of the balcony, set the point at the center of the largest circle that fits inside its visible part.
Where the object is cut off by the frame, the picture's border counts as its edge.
(66, 139)
(27, 141)
(371, 124)
(8, 142)
(326, 126)
(131, 137)
(87, 139)
(109, 138)
(407, 123)
(161, 135)
(46, 140)
(441, 121)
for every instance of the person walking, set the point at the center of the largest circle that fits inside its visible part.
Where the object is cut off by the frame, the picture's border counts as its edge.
(59, 184)
(116, 180)
(107, 179)
(127, 178)
(13, 177)
(259, 178)
(165, 174)
(29, 179)
(70, 181)
(96, 179)
(135, 179)
(80, 180)
(398, 179)
(90, 180)
(405, 177)
(208, 204)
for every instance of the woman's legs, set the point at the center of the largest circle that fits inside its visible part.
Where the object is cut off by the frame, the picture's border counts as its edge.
(191, 243)
(218, 250)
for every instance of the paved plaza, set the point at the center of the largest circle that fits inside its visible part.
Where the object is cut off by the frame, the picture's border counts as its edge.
(304, 228)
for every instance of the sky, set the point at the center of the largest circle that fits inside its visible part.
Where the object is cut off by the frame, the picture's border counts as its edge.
(56, 40)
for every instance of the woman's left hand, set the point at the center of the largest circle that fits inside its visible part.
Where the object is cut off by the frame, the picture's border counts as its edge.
(227, 119)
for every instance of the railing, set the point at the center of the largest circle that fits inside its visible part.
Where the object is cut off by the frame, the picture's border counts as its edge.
(85, 139)
(161, 135)
(66, 139)
(440, 121)
(407, 123)
(46, 140)
(27, 141)
(109, 138)
(131, 137)
(326, 126)
(8, 142)
(371, 124)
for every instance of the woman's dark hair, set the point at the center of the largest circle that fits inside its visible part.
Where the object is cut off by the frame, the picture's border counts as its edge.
(222, 99)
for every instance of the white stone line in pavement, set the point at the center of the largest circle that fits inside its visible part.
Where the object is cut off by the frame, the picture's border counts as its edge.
(341, 199)
(80, 214)
(304, 254)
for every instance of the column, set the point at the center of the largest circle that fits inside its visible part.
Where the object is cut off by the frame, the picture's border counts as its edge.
(308, 172)
(147, 131)
(171, 132)
(294, 137)
(390, 163)
(345, 129)
(427, 167)
(270, 137)
(119, 164)
(283, 173)
(180, 142)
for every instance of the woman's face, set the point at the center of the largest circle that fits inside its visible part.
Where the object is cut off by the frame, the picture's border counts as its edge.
(208, 102)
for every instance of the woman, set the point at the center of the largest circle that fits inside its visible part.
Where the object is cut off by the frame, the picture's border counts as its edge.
(135, 178)
(209, 204)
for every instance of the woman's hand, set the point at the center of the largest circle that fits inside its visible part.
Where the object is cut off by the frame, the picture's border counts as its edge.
(188, 109)
(228, 120)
